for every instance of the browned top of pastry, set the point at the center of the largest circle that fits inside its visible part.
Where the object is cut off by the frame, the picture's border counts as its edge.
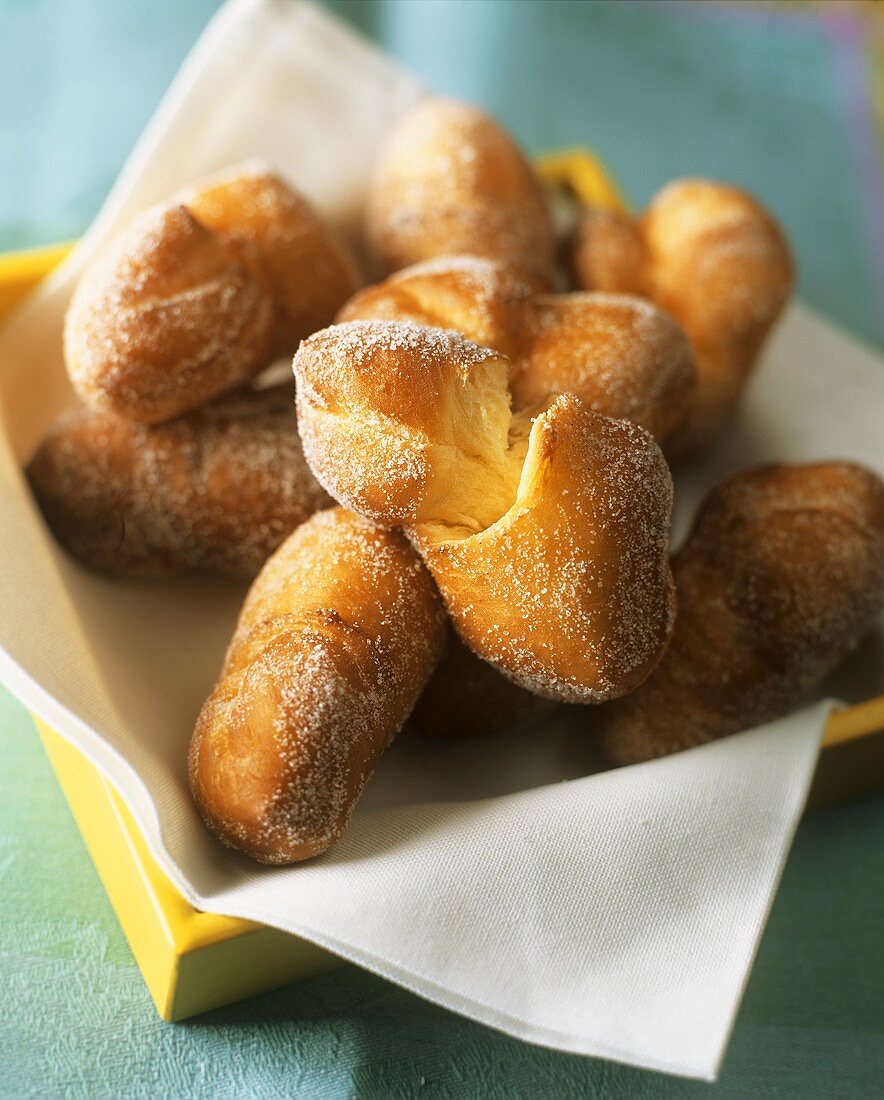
(713, 257)
(305, 264)
(200, 293)
(450, 180)
(621, 355)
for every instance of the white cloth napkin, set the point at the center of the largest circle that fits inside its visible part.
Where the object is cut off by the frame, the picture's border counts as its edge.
(614, 915)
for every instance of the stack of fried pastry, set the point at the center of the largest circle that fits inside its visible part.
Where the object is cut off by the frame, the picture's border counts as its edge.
(173, 461)
(497, 449)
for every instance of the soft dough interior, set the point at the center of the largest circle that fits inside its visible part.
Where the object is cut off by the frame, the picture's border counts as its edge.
(476, 470)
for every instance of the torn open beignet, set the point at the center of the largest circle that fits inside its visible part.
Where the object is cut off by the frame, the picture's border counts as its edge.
(546, 530)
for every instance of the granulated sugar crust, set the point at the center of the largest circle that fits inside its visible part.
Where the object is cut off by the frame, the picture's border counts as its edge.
(336, 639)
(781, 576)
(218, 489)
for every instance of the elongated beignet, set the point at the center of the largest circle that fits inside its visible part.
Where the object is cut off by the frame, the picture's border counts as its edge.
(334, 643)
(546, 534)
(200, 293)
(620, 354)
(217, 489)
(781, 576)
(450, 180)
(715, 259)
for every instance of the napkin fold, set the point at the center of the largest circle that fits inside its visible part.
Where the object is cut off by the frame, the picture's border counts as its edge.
(614, 914)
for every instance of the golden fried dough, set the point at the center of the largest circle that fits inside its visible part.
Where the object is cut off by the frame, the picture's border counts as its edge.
(546, 533)
(334, 643)
(715, 259)
(217, 489)
(618, 353)
(779, 579)
(200, 294)
(450, 180)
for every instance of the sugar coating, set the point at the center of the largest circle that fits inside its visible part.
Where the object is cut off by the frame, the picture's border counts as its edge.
(336, 639)
(565, 587)
(165, 318)
(449, 180)
(620, 354)
(711, 256)
(372, 401)
(275, 230)
(781, 576)
(201, 293)
(218, 489)
(576, 573)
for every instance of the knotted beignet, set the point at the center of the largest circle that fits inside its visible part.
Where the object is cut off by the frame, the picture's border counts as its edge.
(546, 534)
(781, 576)
(334, 643)
(618, 353)
(715, 259)
(450, 180)
(201, 293)
(218, 489)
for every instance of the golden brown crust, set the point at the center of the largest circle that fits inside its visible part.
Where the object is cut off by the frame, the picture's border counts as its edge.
(306, 266)
(164, 320)
(549, 543)
(217, 489)
(618, 353)
(450, 180)
(483, 299)
(335, 641)
(714, 258)
(199, 294)
(779, 579)
(466, 698)
(608, 253)
(569, 593)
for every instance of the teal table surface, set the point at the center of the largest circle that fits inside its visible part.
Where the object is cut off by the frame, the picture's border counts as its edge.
(778, 102)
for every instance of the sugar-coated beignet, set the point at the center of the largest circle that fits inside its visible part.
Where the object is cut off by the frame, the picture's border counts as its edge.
(485, 300)
(165, 319)
(781, 576)
(335, 641)
(217, 489)
(199, 294)
(619, 354)
(450, 180)
(547, 536)
(715, 259)
(569, 591)
(466, 698)
(307, 267)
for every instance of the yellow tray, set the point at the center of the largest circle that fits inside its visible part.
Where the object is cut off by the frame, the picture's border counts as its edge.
(193, 961)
